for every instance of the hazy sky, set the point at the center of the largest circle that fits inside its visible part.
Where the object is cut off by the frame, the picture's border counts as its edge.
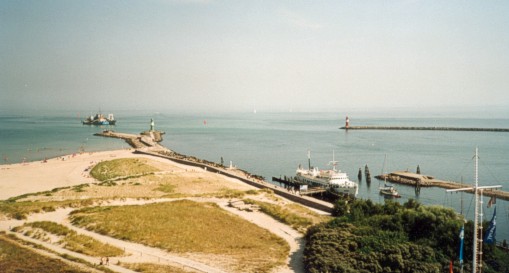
(200, 55)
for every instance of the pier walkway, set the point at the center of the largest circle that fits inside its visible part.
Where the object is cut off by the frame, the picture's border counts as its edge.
(424, 128)
(419, 180)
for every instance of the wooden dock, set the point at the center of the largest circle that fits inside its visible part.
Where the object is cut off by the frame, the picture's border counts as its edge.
(419, 180)
(425, 128)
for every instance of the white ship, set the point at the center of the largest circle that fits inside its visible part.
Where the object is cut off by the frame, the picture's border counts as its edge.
(333, 180)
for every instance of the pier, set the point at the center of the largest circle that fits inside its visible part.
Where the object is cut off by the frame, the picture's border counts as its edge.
(416, 128)
(419, 180)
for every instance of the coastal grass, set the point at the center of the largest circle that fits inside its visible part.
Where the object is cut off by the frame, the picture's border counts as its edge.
(122, 168)
(16, 258)
(186, 226)
(20, 210)
(153, 268)
(294, 215)
(70, 239)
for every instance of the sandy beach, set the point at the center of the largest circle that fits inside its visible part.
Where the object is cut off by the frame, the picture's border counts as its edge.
(20, 178)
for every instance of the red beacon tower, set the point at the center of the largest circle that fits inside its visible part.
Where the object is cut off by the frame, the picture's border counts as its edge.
(347, 123)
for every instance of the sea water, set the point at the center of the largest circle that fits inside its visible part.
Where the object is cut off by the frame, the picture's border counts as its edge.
(275, 144)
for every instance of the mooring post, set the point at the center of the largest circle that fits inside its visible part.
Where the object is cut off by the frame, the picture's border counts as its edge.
(367, 174)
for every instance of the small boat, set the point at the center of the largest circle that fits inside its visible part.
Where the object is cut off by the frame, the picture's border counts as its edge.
(389, 191)
(100, 119)
(333, 180)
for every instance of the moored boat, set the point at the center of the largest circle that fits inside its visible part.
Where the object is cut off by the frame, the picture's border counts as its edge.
(333, 180)
(100, 119)
(389, 191)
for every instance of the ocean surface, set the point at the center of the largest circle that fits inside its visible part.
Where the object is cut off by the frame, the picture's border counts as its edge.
(274, 144)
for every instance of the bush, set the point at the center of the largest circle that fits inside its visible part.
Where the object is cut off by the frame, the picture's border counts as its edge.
(368, 237)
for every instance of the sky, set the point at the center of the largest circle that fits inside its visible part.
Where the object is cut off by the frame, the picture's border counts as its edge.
(207, 55)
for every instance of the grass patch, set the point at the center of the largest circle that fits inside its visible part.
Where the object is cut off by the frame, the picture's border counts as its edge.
(15, 258)
(42, 193)
(187, 226)
(298, 217)
(229, 193)
(153, 268)
(79, 188)
(166, 187)
(73, 241)
(121, 168)
(20, 210)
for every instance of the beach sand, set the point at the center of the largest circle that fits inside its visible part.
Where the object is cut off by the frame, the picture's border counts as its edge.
(37, 176)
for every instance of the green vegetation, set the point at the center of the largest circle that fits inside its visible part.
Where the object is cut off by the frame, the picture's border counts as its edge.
(72, 240)
(15, 258)
(42, 193)
(166, 187)
(298, 217)
(122, 168)
(20, 210)
(368, 237)
(153, 268)
(187, 226)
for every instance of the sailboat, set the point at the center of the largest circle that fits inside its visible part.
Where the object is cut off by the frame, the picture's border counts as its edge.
(388, 190)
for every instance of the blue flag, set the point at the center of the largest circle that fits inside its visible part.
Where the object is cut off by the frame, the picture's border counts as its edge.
(462, 236)
(489, 237)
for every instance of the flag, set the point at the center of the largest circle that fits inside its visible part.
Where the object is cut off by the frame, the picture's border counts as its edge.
(462, 236)
(493, 201)
(451, 267)
(489, 237)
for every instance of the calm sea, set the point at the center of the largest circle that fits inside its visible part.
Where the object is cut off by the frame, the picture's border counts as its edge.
(274, 144)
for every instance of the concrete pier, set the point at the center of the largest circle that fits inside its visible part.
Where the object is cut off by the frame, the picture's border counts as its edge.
(419, 180)
(136, 141)
(425, 128)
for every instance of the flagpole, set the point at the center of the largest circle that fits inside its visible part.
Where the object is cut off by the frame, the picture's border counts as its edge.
(476, 189)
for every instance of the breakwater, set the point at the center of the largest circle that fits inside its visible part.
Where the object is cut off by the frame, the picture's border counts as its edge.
(419, 180)
(241, 175)
(425, 128)
(143, 146)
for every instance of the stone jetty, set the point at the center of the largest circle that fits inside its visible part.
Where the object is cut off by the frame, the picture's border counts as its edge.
(424, 128)
(419, 180)
(146, 143)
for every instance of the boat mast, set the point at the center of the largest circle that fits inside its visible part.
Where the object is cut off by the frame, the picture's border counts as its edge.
(477, 243)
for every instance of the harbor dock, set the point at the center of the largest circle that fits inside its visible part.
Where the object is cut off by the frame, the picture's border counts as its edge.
(419, 180)
(369, 127)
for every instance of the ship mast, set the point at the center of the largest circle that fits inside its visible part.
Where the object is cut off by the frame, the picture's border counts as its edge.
(333, 162)
(477, 240)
